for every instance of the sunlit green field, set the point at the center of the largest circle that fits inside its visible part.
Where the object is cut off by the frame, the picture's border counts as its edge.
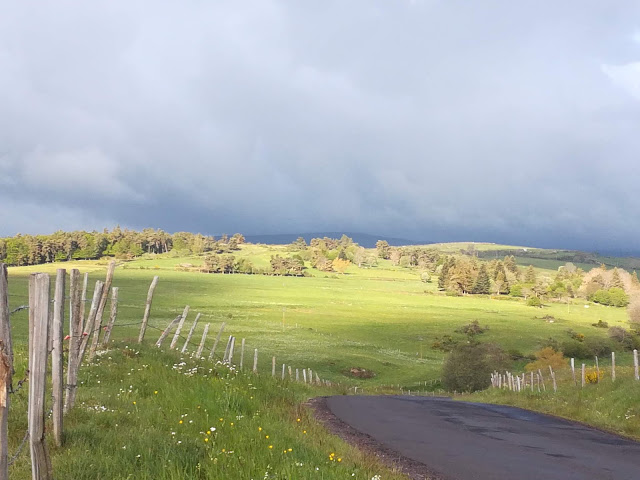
(383, 319)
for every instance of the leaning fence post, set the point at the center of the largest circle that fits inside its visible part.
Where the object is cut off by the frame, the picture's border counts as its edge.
(225, 358)
(191, 330)
(176, 335)
(215, 344)
(57, 378)
(204, 338)
(6, 371)
(147, 308)
(231, 348)
(167, 330)
(113, 314)
(39, 310)
(90, 324)
(75, 337)
(85, 285)
(542, 380)
(103, 303)
(613, 366)
(255, 361)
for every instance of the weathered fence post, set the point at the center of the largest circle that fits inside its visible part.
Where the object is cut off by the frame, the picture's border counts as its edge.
(573, 372)
(297, 375)
(57, 379)
(283, 368)
(75, 337)
(241, 354)
(176, 335)
(273, 366)
(553, 378)
(317, 378)
(6, 371)
(304, 374)
(85, 286)
(101, 306)
(290, 371)
(167, 330)
(532, 380)
(191, 330)
(90, 323)
(597, 370)
(542, 380)
(231, 348)
(204, 338)
(225, 357)
(255, 361)
(635, 364)
(147, 308)
(215, 343)
(39, 311)
(113, 314)
(584, 380)
(613, 366)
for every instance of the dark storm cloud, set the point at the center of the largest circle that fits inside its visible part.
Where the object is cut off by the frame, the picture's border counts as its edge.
(500, 121)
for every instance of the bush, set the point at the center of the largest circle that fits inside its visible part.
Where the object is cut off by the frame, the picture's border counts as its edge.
(599, 347)
(614, 297)
(534, 302)
(600, 324)
(468, 367)
(472, 329)
(575, 349)
(545, 357)
(425, 277)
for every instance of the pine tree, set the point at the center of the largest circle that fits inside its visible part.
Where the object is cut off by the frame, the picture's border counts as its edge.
(634, 278)
(530, 275)
(510, 263)
(444, 274)
(616, 281)
(482, 284)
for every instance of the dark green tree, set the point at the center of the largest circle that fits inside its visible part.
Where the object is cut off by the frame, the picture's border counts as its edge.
(482, 285)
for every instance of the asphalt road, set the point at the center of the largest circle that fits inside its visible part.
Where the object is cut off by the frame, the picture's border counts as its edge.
(466, 441)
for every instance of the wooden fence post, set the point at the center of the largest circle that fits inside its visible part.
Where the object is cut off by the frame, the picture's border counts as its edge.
(113, 314)
(255, 361)
(584, 380)
(39, 309)
(215, 344)
(273, 366)
(90, 324)
(167, 330)
(85, 286)
(297, 375)
(75, 338)
(191, 330)
(532, 380)
(204, 338)
(6, 371)
(573, 372)
(225, 357)
(242, 354)
(283, 368)
(290, 371)
(542, 380)
(318, 379)
(231, 348)
(147, 308)
(635, 364)
(597, 370)
(613, 366)
(101, 306)
(304, 374)
(553, 378)
(176, 335)
(57, 379)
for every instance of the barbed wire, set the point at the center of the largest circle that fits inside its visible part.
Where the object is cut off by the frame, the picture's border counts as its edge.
(20, 447)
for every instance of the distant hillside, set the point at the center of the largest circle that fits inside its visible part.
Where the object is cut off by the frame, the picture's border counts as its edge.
(363, 239)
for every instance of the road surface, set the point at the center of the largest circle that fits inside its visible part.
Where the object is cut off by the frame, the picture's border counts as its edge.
(466, 441)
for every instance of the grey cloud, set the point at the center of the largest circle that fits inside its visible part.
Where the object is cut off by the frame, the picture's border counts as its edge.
(438, 120)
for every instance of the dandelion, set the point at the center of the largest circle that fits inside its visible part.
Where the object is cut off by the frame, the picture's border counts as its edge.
(266, 436)
(134, 403)
(270, 447)
(180, 422)
(206, 439)
(155, 392)
(298, 420)
(304, 431)
(259, 429)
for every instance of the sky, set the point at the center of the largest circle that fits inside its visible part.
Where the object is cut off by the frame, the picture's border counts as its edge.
(436, 120)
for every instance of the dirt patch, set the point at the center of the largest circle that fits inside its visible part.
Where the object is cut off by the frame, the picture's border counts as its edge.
(412, 469)
(358, 372)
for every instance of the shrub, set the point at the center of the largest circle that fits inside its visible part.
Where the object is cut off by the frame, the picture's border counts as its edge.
(634, 312)
(614, 297)
(472, 329)
(591, 375)
(546, 357)
(575, 335)
(575, 349)
(534, 302)
(516, 290)
(600, 324)
(446, 343)
(599, 347)
(469, 366)
(425, 277)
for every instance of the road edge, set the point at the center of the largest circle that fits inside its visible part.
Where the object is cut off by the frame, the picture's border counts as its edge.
(392, 459)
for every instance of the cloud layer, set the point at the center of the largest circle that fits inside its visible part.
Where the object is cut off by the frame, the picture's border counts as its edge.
(434, 119)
